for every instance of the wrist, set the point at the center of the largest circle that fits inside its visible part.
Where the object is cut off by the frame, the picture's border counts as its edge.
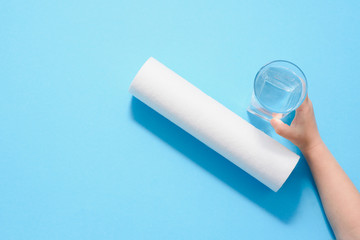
(314, 146)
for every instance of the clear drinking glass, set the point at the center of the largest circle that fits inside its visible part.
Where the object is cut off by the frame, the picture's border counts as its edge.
(279, 88)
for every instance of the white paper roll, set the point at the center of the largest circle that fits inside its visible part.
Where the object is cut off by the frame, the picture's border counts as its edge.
(213, 124)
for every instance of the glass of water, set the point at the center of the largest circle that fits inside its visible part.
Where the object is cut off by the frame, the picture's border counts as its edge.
(279, 88)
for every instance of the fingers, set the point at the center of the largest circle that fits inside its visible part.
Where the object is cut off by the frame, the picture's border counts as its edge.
(277, 115)
(281, 128)
(304, 104)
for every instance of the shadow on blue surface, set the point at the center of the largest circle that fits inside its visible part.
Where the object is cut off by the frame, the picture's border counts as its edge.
(282, 204)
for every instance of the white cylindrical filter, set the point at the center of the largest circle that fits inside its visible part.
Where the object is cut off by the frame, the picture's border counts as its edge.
(213, 124)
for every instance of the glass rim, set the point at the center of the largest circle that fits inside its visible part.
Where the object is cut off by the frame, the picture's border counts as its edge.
(303, 80)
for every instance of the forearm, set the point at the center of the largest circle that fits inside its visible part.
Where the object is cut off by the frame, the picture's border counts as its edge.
(339, 196)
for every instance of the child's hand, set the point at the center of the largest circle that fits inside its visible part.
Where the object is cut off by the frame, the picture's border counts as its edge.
(340, 198)
(303, 131)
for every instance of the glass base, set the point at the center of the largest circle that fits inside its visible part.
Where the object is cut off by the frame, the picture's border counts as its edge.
(256, 109)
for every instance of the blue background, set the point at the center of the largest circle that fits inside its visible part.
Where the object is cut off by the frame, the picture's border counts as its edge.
(81, 159)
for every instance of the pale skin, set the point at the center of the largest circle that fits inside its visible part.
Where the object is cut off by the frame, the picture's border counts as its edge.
(339, 196)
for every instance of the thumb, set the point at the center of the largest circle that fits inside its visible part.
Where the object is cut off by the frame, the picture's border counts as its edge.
(281, 128)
